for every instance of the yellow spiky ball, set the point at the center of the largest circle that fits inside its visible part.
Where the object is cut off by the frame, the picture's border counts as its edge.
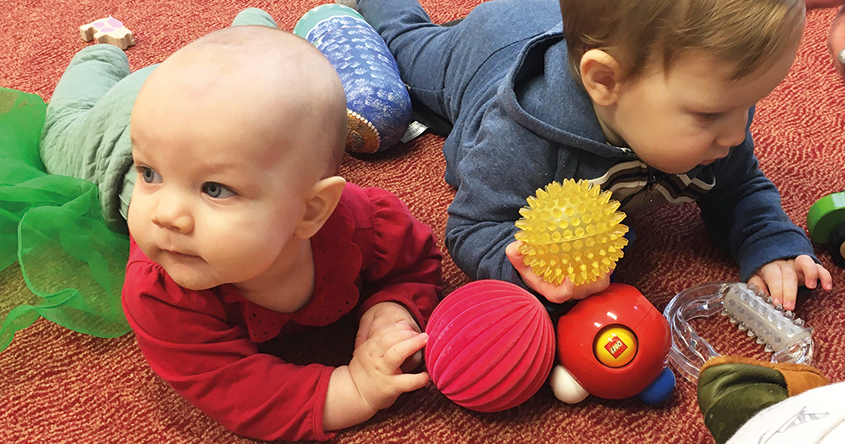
(571, 229)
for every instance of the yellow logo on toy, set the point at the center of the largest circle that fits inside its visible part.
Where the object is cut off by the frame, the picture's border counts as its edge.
(615, 346)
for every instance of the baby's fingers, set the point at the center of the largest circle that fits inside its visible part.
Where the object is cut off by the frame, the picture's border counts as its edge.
(813, 273)
(404, 349)
(758, 282)
(408, 382)
(591, 288)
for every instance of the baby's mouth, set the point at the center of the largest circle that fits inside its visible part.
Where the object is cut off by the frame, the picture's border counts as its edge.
(178, 255)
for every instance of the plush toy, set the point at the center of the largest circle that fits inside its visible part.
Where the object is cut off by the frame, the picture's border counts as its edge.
(490, 346)
(734, 389)
(377, 101)
(613, 345)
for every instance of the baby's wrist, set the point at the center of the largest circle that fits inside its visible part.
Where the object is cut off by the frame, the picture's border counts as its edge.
(401, 311)
(345, 404)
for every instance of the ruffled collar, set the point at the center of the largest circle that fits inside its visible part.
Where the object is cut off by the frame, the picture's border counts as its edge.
(337, 261)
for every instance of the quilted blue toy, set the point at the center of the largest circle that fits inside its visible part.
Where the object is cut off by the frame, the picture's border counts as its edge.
(377, 101)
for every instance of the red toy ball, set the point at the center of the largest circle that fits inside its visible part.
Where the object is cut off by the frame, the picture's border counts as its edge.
(614, 343)
(491, 346)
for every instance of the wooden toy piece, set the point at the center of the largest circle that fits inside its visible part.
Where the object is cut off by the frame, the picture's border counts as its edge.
(107, 30)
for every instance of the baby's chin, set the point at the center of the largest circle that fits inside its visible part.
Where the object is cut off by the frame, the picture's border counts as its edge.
(677, 168)
(663, 165)
(189, 279)
(709, 161)
(194, 285)
(671, 169)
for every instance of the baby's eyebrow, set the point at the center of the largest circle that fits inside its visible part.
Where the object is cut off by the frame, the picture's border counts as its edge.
(213, 167)
(231, 174)
(708, 108)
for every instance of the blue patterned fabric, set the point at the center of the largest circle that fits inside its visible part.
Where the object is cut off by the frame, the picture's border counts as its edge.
(369, 73)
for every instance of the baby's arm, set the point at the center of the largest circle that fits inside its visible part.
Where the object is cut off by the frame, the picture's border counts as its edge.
(400, 261)
(744, 212)
(400, 264)
(496, 177)
(781, 279)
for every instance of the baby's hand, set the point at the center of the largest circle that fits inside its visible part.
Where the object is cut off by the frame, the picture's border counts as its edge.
(384, 317)
(373, 379)
(780, 279)
(553, 293)
(375, 367)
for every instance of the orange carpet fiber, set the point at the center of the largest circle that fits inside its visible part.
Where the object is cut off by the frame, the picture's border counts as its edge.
(58, 386)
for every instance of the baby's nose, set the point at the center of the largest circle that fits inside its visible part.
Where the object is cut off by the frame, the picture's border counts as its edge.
(733, 132)
(172, 213)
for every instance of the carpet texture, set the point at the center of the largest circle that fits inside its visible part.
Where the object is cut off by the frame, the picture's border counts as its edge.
(58, 386)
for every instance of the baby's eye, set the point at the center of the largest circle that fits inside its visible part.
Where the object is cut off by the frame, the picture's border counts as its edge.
(217, 191)
(149, 175)
(708, 117)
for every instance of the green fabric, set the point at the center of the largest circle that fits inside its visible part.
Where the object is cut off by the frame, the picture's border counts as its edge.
(53, 232)
(730, 394)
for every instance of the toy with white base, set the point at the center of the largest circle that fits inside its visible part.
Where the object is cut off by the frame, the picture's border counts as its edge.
(613, 345)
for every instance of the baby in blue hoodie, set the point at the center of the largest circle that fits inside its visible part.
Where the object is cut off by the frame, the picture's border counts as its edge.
(650, 99)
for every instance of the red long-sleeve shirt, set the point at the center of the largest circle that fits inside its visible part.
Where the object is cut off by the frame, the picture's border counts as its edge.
(204, 343)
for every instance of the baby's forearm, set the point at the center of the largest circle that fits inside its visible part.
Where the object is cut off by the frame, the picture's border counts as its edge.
(345, 406)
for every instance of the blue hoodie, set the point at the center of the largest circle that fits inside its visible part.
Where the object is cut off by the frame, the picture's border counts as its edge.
(522, 121)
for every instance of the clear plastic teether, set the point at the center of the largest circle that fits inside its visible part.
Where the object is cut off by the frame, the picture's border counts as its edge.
(779, 331)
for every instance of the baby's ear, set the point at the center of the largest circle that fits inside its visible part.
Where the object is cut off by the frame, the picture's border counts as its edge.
(600, 74)
(320, 204)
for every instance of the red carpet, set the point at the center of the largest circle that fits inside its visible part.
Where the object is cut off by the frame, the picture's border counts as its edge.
(58, 386)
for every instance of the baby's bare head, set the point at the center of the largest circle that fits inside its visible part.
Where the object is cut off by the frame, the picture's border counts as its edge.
(260, 85)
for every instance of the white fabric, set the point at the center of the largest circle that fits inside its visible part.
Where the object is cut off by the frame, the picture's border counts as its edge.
(813, 417)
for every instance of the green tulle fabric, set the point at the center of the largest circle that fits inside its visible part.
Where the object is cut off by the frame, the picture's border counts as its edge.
(52, 237)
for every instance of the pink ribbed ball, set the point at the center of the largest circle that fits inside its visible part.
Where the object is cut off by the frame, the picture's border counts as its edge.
(491, 346)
